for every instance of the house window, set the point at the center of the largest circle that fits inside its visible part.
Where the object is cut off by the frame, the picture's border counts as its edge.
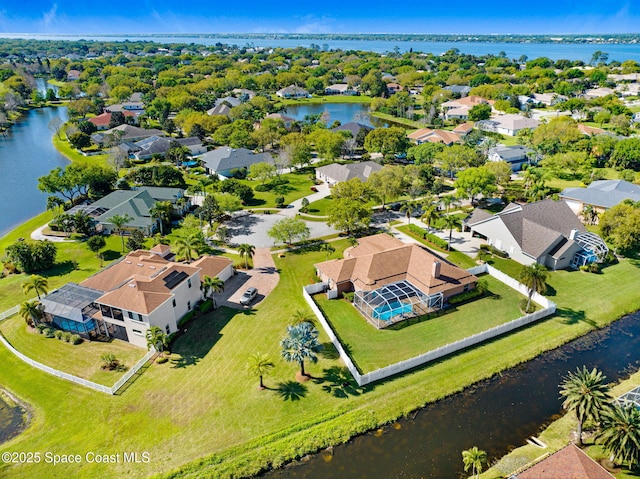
(140, 317)
(105, 310)
(137, 332)
(189, 282)
(174, 302)
(130, 314)
(167, 329)
(189, 305)
(467, 287)
(117, 314)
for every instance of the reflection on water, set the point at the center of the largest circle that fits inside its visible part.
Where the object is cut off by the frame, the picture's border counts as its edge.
(496, 415)
(342, 112)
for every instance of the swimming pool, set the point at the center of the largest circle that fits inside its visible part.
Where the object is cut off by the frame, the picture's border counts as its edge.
(389, 310)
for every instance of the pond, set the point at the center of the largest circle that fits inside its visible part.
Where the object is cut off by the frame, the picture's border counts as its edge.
(342, 112)
(12, 418)
(496, 415)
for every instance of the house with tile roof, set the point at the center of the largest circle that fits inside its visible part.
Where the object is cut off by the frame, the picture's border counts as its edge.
(102, 121)
(142, 290)
(354, 128)
(570, 462)
(336, 173)
(510, 124)
(459, 109)
(126, 133)
(292, 91)
(340, 89)
(545, 232)
(427, 135)
(601, 195)
(400, 280)
(226, 161)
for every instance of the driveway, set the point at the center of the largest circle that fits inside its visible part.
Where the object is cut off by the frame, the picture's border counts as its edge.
(264, 277)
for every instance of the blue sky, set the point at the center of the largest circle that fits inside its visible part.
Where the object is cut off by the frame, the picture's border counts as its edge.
(309, 16)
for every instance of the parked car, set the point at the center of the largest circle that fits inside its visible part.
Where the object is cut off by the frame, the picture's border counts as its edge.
(248, 296)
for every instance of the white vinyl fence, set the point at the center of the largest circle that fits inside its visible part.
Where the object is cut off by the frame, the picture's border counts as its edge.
(70, 377)
(402, 366)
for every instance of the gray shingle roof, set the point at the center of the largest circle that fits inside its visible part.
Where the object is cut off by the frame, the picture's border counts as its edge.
(604, 193)
(347, 172)
(353, 127)
(511, 153)
(226, 158)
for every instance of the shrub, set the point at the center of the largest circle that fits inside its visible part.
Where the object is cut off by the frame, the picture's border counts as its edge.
(466, 296)
(279, 201)
(206, 306)
(261, 188)
(41, 327)
(76, 339)
(162, 360)
(49, 332)
(349, 296)
(439, 242)
(185, 319)
(66, 336)
(493, 250)
(58, 334)
(523, 306)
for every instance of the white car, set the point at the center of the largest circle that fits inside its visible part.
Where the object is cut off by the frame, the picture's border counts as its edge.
(248, 296)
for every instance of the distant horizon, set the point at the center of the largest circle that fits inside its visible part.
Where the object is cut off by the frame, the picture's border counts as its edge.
(310, 34)
(119, 17)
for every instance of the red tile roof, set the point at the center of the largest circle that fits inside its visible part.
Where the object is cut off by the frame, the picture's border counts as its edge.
(570, 462)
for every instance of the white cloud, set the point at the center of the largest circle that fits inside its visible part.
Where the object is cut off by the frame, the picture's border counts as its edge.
(49, 19)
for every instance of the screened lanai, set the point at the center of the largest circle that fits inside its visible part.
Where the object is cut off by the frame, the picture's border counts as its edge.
(632, 397)
(394, 302)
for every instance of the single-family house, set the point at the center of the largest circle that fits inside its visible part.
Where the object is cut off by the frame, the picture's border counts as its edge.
(137, 205)
(516, 156)
(340, 89)
(463, 129)
(601, 195)
(393, 280)
(287, 121)
(459, 109)
(124, 300)
(547, 232)
(292, 91)
(393, 88)
(231, 101)
(73, 75)
(222, 109)
(549, 99)
(427, 135)
(598, 93)
(102, 121)
(136, 107)
(336, 173)
(459, 90)
(509, 124)
(354, 128)
(570, 462)
(126, 133)
(591, 130)
(242, 93)
(227, 162)
(160, 145)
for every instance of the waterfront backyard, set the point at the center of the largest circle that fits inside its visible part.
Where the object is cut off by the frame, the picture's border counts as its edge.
(180, 412)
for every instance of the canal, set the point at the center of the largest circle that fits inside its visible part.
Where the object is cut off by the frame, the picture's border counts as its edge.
(496, 415)
(26, 153)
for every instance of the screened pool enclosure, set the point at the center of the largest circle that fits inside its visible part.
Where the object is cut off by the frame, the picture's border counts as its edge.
(395, 302)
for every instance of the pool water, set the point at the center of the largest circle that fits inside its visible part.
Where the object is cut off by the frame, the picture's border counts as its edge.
(387, 311)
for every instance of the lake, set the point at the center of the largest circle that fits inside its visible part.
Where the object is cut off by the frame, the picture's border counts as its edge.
(26, 153)
(342, 112)
(555, 51)
(496, 415)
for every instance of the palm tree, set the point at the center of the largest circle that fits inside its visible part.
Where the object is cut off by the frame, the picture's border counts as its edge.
(301, 343)
(157, 338)
(246, 251)
(450, 222)
(259, 365)
(302, 316)
(31, 312)
(430, 214)
(188, 247)
(119, 221)
(585, 392)
(474, 459)
(212, 285)
(619, 433)
(37, 283)
(161, 210)
(449, 201)
(534, 277)
(409, 208)
(328, 249)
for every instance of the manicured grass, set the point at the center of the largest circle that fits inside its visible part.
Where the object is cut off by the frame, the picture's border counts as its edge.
(557, 435)
(320, 207)
(372, 349)
(456, 257)
(400, 121)
(201, 415)
(65, 149)
(299, 185)
(82, 360)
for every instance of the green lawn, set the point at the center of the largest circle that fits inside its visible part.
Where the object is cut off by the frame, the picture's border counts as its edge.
(201, 415)
(321, 207)
(65, 149)
(456, 257)
(299, 185)
(399, 121)
(82, 360)
(371, 349)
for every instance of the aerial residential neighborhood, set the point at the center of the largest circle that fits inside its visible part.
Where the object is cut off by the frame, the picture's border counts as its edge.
(247, 256)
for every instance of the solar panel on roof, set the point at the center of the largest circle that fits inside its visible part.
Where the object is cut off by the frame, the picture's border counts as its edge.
(174, 278)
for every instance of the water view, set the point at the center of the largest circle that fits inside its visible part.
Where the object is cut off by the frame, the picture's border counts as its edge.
(342, 112)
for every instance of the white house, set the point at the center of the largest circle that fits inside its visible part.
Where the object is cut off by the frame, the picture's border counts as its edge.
(292, 91)
(336, 173)
(142, 290)
(509, 124)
